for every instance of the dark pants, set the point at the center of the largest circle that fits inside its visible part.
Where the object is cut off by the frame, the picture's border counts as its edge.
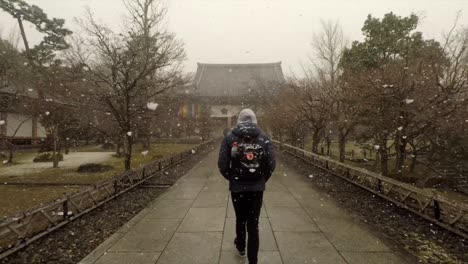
(247, 206)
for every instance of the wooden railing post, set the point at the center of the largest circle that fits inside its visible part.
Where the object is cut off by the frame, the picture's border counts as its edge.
(65, 209)
(436, 210)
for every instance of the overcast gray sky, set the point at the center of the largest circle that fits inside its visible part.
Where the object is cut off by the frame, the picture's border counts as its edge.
(249, 31)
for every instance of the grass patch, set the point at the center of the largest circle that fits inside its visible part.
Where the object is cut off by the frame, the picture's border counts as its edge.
(70, 176)
(91, 148)
(21, 157)
(15, 199)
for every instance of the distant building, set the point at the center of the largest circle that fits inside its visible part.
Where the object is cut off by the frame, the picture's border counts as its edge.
(224, 89)
(15, 123)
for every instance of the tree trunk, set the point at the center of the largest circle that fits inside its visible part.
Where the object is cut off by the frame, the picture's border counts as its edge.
(342, 147)
(376, 162)
(414, 160)
(11, 152)
(118, 151)
(67, 147)
(383, 161)
(55, 160)
(128, 152)
(400, 149)
(315, 141)
(328, 146)
(147, 142)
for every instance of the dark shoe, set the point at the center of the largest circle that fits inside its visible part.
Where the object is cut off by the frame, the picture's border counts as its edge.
(240, 251)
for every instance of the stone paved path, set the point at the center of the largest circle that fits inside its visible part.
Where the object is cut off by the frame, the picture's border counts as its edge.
(193, 223)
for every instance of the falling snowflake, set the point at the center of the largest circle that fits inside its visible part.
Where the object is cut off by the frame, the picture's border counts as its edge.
(30, 90)
(311, 176)
(409, 101)
(129, 133)
(108, 113)
(377, 147)
(2, 122)
(400, 128)
(47, 113)
(26, 64)
(152, 106)
(5, 161)
(193, 151)
(178, 125)
(145, 152)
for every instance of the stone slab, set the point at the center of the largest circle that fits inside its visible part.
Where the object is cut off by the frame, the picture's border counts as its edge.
(372, 258)
(307, 247)
(148, 235)
(203, 219)
(290, 219)
(264, 257)
(279, 199)
(128, 258)
(162, 208)
(211, 199)
(193, 248)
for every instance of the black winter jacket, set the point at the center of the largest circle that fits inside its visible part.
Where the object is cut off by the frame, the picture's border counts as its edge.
(241, 180)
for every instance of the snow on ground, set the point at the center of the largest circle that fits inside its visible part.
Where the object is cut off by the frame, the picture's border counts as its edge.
(72, 160)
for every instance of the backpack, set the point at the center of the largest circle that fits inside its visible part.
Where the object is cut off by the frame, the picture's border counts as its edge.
(248, 152)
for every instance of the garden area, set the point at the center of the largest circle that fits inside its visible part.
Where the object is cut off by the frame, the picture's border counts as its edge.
(26, 184)
(363, 155)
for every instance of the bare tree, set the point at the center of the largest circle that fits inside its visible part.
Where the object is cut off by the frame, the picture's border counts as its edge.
(328, 46)
(313, 105)
(130, 68)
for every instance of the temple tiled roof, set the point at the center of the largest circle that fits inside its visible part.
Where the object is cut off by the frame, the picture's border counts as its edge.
(221, 80)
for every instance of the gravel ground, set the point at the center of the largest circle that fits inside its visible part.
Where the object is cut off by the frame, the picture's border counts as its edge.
(76, 240)
(428, 243)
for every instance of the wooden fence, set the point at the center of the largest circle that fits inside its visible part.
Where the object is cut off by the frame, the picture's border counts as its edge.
(433, 207)
(26, 227)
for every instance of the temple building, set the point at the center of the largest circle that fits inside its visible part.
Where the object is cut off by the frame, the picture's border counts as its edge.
(16, 125)
(222, 90)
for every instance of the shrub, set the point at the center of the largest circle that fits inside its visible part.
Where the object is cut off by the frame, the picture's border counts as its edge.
(108, 146)
(93, 168)
(47, 157)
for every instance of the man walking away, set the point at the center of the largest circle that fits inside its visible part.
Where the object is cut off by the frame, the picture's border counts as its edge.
(247, 161)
